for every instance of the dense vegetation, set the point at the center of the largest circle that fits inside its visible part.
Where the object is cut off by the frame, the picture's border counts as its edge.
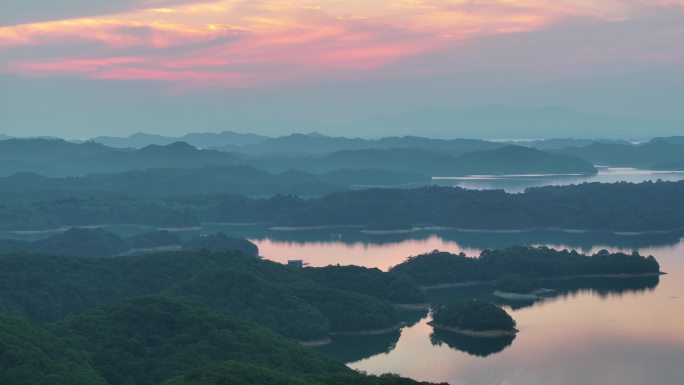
(373, 282)
(185, 333)
(514, 283)
(49, 288)
(473, 315)
(219, 243)
(619, 207)
(83, 242)
(241, 374)
(250, 297)
(33, 354)
(348, 311)
(535, 262)
(243, 180)
(147, 340)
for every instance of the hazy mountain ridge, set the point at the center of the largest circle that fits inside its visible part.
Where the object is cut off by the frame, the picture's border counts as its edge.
(200, 140)
(315, 143)
(644, 155)
(61, 158)
(58, 158)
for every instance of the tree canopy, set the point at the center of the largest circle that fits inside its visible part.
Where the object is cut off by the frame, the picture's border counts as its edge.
(473, 315)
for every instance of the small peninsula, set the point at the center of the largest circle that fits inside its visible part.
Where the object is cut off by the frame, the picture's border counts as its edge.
(473, 318)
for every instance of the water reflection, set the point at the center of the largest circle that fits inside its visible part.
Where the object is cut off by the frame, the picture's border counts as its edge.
(518, 183)
(357, 348)
(480, 347)
(559, 290)
(351, 246)
(619, 331)
(352, 349)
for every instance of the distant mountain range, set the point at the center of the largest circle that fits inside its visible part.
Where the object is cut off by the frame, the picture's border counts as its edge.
(558, 143)
(314, 143)
(199, 140)
(670, 139)
(496, 122)
(308, 164)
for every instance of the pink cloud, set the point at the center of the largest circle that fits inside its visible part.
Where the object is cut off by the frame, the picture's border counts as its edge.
(258, 43)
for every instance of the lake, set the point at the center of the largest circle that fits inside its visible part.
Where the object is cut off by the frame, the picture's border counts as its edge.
(626, 331)
(518, 183)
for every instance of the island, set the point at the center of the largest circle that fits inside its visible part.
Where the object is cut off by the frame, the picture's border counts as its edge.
(441, 269)
(473, 318)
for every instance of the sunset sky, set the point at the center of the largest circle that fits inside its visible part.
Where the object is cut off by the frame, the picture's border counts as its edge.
(80, 68)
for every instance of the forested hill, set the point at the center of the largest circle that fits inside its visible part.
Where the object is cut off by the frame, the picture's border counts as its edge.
(504, 160)
(85, 242)
(50, 288)
(58, 158)
(152, 340)
(614, 207)
(243, 180)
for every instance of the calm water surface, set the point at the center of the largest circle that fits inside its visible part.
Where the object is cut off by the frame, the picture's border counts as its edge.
(619, 331)
(518, 183)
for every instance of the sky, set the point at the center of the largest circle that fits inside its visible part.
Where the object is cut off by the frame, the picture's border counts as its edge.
(83, 68)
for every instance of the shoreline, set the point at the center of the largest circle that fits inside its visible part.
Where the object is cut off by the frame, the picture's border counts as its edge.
(516, 296)
(626, 233)
(316, 343)
(327, 340)
(322, 227)
(146, 250)
(236, 224)
(104, 226)
(414, 229)
(475, 333)
(406, 231)
(411, 306)
(561, 278)
(373, 332)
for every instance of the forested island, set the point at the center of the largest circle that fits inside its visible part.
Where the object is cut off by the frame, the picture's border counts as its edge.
(620, 207)
(442, 268)
(473, 318)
